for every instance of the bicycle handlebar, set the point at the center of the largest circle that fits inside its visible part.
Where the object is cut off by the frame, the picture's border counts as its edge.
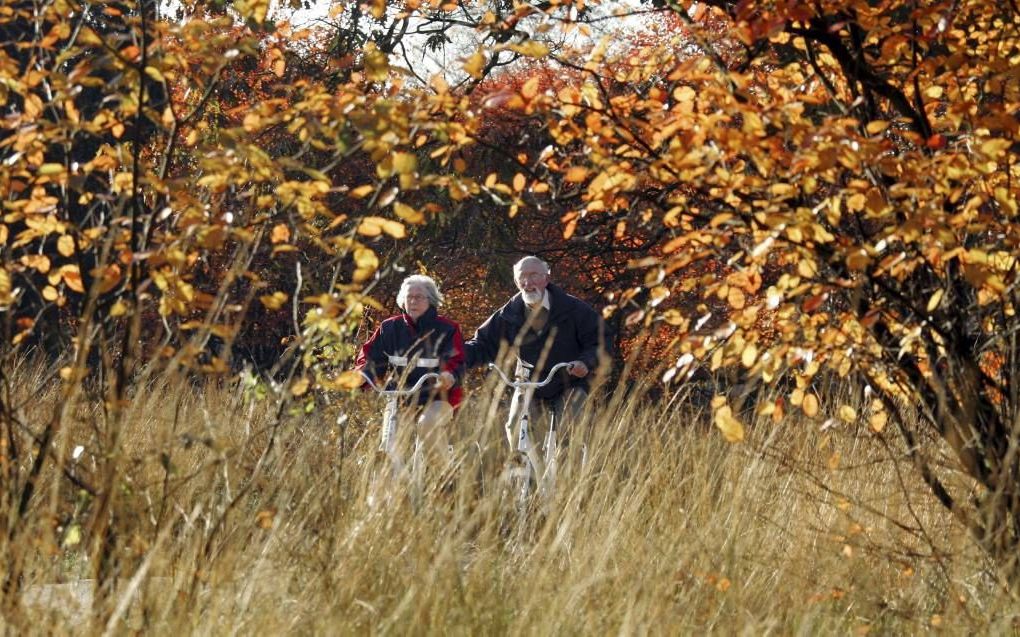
(400, 392)
(524, 384)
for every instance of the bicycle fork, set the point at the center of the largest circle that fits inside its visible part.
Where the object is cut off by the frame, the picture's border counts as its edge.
(549, 476)
(533, 466)
(388, 444)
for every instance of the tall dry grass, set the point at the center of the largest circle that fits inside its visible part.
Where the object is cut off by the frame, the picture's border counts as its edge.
(241, 516)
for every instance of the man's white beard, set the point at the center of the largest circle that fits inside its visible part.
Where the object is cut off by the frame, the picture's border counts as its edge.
(532, 297)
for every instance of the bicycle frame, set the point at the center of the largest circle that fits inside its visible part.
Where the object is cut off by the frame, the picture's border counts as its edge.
(388, 441)
(518, 426)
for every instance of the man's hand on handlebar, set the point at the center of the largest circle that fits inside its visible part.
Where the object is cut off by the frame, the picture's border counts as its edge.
(578, 369)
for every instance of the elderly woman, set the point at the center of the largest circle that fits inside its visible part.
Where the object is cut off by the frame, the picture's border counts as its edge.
(416, 342)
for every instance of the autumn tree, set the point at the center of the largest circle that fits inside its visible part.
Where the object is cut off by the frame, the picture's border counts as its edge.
(852, 164)
(136, 202)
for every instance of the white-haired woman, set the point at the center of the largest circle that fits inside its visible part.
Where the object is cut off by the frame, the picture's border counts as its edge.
(415, 342)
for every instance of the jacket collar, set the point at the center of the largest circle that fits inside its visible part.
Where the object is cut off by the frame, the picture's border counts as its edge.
(426, 319)
(553, 295)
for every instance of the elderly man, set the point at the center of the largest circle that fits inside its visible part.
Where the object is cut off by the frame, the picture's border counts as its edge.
(543, 326)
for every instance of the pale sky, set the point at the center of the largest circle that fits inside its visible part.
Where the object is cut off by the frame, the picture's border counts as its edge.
(449, 59)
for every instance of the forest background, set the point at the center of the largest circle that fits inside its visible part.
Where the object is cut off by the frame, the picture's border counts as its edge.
(797, 217)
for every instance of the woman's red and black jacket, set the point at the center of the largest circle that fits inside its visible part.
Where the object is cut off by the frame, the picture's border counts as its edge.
(412, 348)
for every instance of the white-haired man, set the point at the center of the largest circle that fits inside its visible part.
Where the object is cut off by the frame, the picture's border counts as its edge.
(543, 326)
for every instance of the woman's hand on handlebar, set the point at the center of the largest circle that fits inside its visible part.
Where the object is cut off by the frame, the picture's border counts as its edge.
(445, 381)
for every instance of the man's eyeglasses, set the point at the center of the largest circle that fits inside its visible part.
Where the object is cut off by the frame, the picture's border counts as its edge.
(416, 297)
(530, 276)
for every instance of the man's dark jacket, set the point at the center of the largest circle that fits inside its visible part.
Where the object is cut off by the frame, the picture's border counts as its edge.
(576, 329)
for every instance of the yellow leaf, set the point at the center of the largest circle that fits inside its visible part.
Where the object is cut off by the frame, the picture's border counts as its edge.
(531, 48)
(371, 226)
(375, 226)
(72, 111)
(119, 308)
(847, 414)
(810, 405)
(731, 428)
(394, 228)
(858, 260)
(349, 379)
(280, 233)
(439, 84)
(273, 301)
(65, 245)
(51, 169)
(749, 355)
(366, 263)
(39, 262)
(994, 147)
(878, 421)
(50, 293)
(73, 536)
(155, 74)
(361, 191)
(376, 62)
(407, 213)
(797, 397)
(5, 287)
(570, 227)
(475, 65)
(576, 174)
(935, 299)
(519, 182)
(530, 88)
(404, 163)
(569, 221)
(806, 268)
(673, 317)
(365, 258)
(735, 297)
(265, 518)
(251, 122)
(876, 127)
(254, 10)
(658, 294)
(72, 278)
(300, 387)
(833, 461)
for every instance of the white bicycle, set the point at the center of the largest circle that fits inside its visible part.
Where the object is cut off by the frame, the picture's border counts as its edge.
(388, 444)
(533, 465)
